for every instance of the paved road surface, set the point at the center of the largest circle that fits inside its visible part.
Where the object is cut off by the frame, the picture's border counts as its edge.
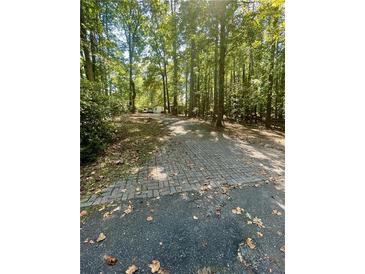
(199, 173)
(195, 155)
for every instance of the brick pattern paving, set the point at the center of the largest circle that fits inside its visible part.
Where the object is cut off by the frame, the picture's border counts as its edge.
(193, 157)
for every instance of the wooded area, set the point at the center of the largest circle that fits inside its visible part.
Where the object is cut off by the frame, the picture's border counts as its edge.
(210, 59)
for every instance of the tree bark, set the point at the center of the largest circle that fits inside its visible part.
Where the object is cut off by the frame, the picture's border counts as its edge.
(164, 92)
(222, 55)
(89, 71)
(192, 92)
(215, 82)
(186, 91)
(132, 92)
(174, 108)
(269, 91)
(166, 85)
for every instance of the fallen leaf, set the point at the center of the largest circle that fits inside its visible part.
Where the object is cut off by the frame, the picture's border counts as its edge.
(276, 212)
(129, 209)
(101, 237)
(155, 266)
(205, 187)
(110, 260)
(205, 270)
(83, 213)
(115, 209)
(258, 222)
(102, 208)
(238, 210)
(259, 234)
(107, 214)
(163, 271)
(149, 218)
(131, 269)
(195, 218)
(250, 243)
(282, 249)
(91, 242)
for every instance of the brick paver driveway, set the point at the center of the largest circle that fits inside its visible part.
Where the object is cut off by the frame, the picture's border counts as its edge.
(195, 157)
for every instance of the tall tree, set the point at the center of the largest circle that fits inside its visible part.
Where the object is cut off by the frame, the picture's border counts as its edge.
(222, 6)
(132, 21)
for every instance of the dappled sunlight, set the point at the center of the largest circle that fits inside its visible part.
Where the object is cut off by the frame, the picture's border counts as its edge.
(213, 133)
(134, 130)
(258, 155)
(178, 130)
(158, 174)
(225, 136)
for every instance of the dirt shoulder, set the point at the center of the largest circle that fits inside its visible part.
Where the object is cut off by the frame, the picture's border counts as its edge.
(253, 135)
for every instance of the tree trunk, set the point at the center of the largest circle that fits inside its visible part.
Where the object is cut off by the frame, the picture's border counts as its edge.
(192, 92)
(222, 55)
(93, 53)
(269, 91)
(164, 92)
(132, 92)
(174, 108)
(85, 48)
(166, 86)
(186, 91)
(215, 82)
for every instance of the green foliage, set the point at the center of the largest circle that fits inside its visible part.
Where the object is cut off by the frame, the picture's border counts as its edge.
(95, 110)
(154, 52)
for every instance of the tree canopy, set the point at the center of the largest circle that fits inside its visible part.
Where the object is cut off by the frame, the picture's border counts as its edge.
(215, 60)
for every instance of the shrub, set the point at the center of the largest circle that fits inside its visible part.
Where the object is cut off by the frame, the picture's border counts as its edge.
(95, 132)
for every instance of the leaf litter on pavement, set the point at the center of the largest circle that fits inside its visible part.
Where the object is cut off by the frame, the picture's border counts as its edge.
(110, 260)
(128, 210)
(131, 269)
(155, 266)
(258, 222)
(110, 213)
(276, 212)
(101, 237)
(238, 210)
(250, 243)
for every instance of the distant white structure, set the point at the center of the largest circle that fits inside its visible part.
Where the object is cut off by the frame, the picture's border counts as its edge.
(157, 109)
